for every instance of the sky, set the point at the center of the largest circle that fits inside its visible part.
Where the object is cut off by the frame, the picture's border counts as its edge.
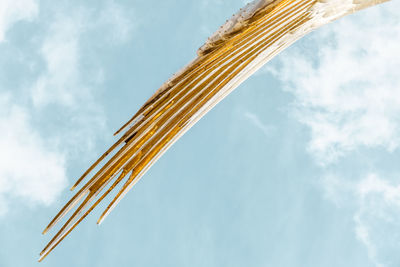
(297, 167)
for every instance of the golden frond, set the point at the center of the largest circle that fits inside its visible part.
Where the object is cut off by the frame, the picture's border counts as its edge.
(245, 43)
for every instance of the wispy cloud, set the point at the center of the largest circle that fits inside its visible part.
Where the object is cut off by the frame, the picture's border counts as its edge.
(59, 115)
(13, 11)
(255, 120)
(347, 92)
(375, 199)
(63, 81)
(59, 83)
(117, 21)
(30, 168)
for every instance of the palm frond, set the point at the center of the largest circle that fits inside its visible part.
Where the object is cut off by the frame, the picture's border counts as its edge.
(244, 44)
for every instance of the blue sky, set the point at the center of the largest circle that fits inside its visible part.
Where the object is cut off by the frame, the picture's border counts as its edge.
(297, 167)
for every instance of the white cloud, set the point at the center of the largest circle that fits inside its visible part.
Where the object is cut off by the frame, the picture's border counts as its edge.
(12, 11)
(118, 21)
(62, 82)
(39, 138)
(60, 50)
(376, 204)
(71, 79)
(255, 120)
(29, 169)
(67, 89)
(378, 218)
(349, 93)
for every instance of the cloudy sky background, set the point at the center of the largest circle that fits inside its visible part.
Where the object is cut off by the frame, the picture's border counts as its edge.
(297, 167)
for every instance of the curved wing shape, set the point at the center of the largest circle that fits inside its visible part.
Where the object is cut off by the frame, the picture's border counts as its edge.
(240, 47)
